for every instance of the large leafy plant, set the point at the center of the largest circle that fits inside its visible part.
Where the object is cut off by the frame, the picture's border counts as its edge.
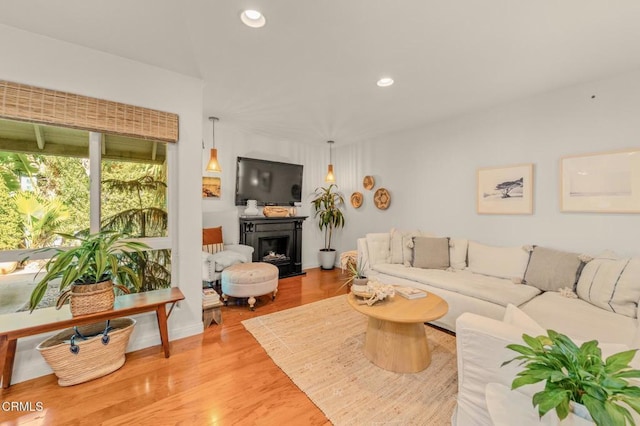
(96, 258)
(327, 204)
(578, 374)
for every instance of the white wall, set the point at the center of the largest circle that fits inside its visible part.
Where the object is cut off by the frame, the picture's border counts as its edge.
(233, 142)
(431, 172)
(44, 62)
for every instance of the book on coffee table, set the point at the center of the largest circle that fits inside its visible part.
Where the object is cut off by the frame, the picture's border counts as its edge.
(410, 292)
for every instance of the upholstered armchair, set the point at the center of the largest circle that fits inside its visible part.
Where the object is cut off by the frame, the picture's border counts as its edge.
(220, 248)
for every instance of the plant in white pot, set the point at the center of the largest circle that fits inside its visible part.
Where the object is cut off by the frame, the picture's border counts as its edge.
(326, 203)
(578, 375)
(88, 271)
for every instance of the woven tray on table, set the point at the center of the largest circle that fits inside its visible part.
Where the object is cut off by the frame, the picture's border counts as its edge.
(76, 360)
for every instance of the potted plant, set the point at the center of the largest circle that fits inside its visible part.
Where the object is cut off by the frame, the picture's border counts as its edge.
(89, 269)
(327, 204)
(578, 375)
(356, 277)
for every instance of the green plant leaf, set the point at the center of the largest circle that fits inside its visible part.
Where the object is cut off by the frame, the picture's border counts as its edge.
(597, 410)
(548, 400)
(619, 361)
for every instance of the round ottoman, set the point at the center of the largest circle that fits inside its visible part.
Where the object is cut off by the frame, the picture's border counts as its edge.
(249, 280)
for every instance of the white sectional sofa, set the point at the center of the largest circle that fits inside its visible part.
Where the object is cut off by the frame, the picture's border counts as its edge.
(584, 298)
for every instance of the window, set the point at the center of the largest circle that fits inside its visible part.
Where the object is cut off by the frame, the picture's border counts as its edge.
(46, 189)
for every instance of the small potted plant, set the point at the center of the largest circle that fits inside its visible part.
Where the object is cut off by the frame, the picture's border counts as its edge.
(356, 277)
(327, 204)
(578, 375)
(88, 271)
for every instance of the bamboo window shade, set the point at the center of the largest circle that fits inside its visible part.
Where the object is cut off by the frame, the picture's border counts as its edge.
(29, 103)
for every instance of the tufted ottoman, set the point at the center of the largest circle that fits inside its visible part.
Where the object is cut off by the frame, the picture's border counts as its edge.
(249, 280)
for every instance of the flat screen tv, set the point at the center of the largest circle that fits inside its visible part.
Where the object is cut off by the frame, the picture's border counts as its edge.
(270, 183)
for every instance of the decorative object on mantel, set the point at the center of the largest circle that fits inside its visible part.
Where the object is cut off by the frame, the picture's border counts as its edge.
(275, 211)
(368, 182)
(577, 375)
(604, 182)
(210, 187)
(376, 292)
(213, 165)
(356, 199)
(382, 199)
(330, 178)
(252, 208)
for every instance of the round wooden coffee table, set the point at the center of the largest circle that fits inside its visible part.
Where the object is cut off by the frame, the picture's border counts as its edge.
(396, 339)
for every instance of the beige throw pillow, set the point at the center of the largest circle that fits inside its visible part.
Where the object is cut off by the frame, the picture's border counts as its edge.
(551, 270)
(430, 253)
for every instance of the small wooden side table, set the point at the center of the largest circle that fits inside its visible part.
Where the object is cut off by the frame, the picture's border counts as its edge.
(211, 312)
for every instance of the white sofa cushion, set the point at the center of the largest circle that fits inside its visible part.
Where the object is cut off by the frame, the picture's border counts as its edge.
(458, 253)
(491, 289)
(501, 262)
(519, 319)
(606, 283)
(580, 319)
(399, 245)
(378, 247)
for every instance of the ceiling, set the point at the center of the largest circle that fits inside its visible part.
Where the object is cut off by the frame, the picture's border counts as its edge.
(309, 75)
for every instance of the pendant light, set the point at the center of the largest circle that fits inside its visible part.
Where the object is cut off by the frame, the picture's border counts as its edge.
(213, 165)
(330, 178)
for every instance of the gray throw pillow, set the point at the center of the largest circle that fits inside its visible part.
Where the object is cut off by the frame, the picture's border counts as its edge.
(430, 253)
(551, 270)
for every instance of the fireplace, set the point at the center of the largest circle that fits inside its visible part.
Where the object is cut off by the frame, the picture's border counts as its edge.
(275, 240)
(274, 249)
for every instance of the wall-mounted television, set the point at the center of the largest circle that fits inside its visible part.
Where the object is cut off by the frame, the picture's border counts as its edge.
(270, 183)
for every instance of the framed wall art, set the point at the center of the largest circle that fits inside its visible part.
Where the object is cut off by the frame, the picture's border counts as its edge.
(606, 182)
(505, 190)
(210, 187)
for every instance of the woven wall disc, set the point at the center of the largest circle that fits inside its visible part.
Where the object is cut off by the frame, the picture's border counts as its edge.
(368, 182)
(356, 199)
(382, 199)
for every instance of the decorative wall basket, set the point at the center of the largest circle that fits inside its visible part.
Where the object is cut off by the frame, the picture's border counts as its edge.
(368, 182)
(356, 199)
(382, 199)
(76, 360)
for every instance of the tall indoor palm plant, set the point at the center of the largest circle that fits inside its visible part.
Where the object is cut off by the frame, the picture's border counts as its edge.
(327, 203)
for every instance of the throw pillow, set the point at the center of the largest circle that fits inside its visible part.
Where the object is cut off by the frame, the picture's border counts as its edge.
(212, 240)
(378, 248)
(516, 317)
(501, 262)
(606, 283)
(458, 253)
(430, 253)
(552, 270)
(397, 244)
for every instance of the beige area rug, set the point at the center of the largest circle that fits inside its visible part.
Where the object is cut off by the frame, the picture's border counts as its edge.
(319, 346)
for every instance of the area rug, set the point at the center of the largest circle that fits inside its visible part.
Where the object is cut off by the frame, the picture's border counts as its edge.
(320, 347)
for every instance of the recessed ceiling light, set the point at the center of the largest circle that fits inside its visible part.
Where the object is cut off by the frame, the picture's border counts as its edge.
(253, 19)
(385, 81)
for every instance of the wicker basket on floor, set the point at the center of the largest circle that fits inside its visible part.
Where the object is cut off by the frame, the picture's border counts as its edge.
(93, 358)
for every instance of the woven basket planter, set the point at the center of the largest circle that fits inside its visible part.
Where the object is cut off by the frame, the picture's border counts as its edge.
(76, 360)
(89, 298)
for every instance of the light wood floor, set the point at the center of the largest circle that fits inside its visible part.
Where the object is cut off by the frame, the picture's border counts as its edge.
(221, 377)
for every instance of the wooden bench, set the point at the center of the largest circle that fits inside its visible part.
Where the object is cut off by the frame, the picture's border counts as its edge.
(23, 324)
